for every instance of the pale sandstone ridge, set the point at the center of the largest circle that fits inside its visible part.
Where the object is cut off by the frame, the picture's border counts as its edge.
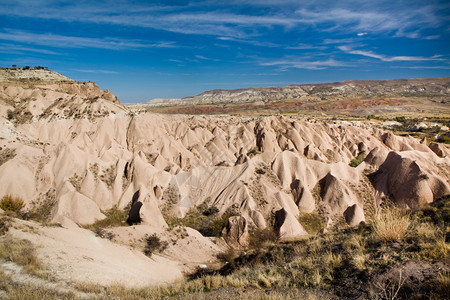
(31, 74)
(260, 173)
(347, 89)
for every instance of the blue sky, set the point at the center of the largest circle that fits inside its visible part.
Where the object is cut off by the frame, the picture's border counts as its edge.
(150, 49)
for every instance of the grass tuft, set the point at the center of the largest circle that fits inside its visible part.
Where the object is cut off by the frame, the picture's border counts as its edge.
(391, 226)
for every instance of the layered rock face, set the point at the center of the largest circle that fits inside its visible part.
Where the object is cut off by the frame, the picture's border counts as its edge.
(81, 149)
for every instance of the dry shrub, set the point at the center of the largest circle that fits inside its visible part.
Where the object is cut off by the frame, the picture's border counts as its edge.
(154, 244)
(10, 203)
(391, 226)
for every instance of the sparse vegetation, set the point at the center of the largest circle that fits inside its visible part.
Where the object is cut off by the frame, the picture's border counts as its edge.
(42, 211)
(346, 262)
(76, 181)
(252, 152)
(114, 217)
(5, 223)
(207, 225)
(6, 154)
(108, 176)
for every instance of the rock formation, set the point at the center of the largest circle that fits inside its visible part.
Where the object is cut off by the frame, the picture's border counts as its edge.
(75, 146)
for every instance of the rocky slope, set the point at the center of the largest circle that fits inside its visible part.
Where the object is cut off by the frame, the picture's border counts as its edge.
(81, 153)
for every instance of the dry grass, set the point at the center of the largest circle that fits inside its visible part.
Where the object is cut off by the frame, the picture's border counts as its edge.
(20, 252)
(441, 286)
(312, 222)
(391, 226)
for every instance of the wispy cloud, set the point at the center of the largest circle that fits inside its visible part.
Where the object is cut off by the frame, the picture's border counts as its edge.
(304, 64)
(63, 41)
(95, 71)
(14, 48)
(227, 19)
(248, 40)
(306, 47)
(389, 58)
(425, 67)
(206, 58)
(405, 22)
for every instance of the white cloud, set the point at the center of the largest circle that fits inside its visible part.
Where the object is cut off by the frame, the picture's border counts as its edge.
(388, 58)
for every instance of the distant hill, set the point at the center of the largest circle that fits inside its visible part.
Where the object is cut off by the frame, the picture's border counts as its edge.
(362, 97)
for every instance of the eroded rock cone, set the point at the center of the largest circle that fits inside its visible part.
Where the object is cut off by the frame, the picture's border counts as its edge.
(287, 226)
(354, 215)
(236, 232)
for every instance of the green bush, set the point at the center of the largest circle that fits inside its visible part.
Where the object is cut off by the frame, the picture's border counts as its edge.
(357, 160)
